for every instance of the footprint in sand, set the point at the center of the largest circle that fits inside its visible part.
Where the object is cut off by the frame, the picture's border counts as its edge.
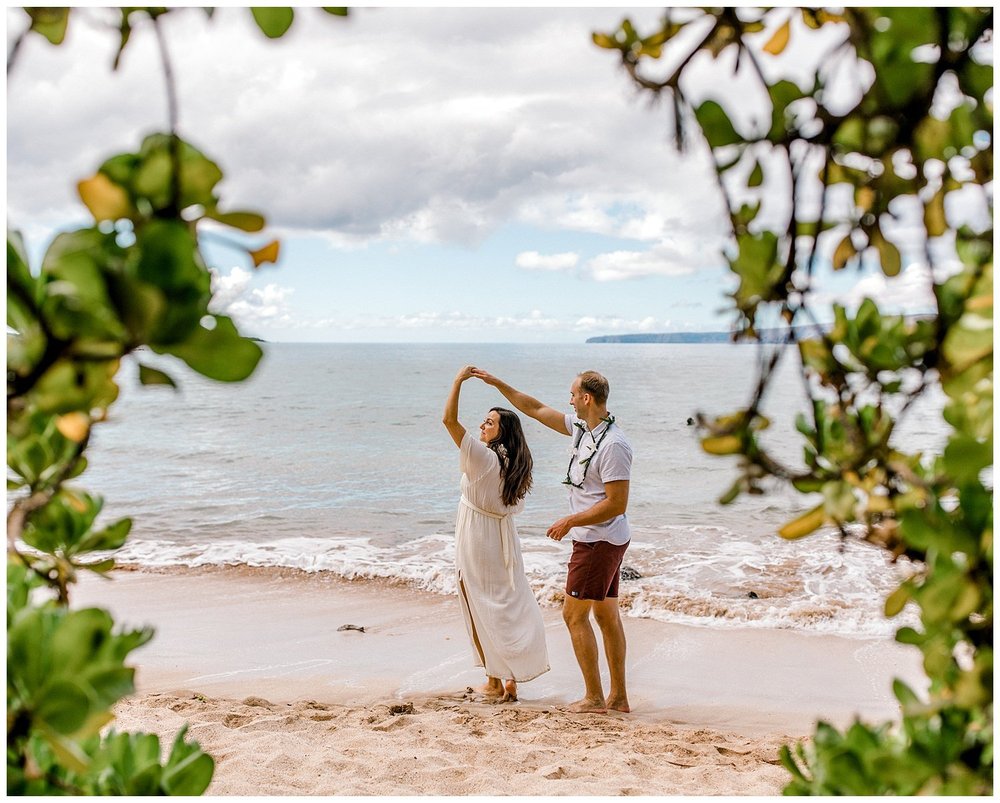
(234, 720)
(556, 772)
(394, 723)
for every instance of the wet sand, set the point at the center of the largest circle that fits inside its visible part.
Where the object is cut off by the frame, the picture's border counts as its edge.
(289, 704)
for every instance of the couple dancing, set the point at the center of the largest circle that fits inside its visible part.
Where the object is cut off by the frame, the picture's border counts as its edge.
(501, 614)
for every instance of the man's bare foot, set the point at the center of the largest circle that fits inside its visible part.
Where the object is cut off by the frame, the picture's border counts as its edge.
(509, 692)
(588, 706)
(618, 704)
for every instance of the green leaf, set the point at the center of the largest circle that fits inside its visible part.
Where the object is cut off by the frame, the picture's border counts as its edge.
(67, 750)
(272, 20)
(889, 257)
(168, 256)
(154, 376)
(730, 496)
(907, 635)
(716, 125)
(68, 386)
(154, 178)
(783, 94)
(244, 221)
(110, 683)
(335, 10)
(935, 220)
(49, 22)
(905, 694)
(109, 538)
(188, 770)
(897, 600)
(968, 342)
(844, 253)
(219, 353)
(101, 567)
(965, 458)
(785, 756)
(64, 707)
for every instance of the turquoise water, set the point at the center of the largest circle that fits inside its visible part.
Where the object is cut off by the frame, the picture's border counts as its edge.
(333, 458)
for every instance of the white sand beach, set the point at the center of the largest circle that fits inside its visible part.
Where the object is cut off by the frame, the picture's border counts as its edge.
(288, 704)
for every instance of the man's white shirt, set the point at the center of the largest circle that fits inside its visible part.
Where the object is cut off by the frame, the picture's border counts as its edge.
(610, 457)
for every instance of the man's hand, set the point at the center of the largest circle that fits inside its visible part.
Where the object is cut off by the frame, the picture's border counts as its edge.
(560, 529)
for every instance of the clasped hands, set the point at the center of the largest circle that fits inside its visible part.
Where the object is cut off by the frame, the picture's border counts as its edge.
(470, 371)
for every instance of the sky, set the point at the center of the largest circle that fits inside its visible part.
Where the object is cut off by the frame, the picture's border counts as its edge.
(434, 175)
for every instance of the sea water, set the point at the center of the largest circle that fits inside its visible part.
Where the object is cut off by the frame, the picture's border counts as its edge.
(332, 458)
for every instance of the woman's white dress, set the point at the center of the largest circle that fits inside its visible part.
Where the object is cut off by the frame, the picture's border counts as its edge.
(497, 602)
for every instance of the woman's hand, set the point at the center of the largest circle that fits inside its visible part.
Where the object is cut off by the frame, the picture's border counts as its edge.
(465, 373)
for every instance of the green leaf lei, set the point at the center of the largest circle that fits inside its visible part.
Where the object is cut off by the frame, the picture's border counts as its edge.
(576, 446)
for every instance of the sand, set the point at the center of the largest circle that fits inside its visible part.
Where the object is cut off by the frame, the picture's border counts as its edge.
(288, 704)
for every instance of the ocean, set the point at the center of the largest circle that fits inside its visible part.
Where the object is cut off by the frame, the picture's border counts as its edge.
(332, 458)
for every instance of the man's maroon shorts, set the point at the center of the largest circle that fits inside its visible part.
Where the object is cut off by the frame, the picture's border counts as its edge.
(594, 569)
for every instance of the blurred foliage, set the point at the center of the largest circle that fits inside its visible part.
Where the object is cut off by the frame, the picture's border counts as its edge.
(133, 281)
(868, 162)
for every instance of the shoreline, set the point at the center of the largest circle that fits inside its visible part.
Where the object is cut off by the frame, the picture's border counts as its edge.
(248, 655)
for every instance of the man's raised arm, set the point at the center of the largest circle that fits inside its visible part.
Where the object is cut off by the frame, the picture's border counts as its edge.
(528, 405)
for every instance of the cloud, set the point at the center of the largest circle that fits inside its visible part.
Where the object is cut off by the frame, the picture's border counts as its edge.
(232, 295)
(908, 293)
(675, 256)
(532, 260)
(606, 323)
(535, 321)
(396, 124)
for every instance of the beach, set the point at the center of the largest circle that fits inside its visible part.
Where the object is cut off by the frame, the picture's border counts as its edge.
(289, 703)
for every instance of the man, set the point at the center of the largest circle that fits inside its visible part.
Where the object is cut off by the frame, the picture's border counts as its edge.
(598, 478)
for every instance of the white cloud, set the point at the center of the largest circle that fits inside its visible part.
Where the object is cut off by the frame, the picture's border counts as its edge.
(909, 292)
(532, 260)
(670, 257)
(400, 124)
(232, 295)
(606, 323)
(534, 321)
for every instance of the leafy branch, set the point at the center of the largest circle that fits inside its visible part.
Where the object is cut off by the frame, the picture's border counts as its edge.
(917, 131)
(133, 279)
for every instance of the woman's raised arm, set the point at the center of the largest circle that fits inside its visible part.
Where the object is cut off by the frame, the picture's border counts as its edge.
(450, 417)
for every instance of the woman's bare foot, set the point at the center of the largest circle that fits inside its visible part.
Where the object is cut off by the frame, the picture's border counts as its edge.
(618, 704)
(492, 688)
(588, 706)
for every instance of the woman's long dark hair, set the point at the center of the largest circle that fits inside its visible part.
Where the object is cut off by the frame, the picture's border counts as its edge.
(515, 457)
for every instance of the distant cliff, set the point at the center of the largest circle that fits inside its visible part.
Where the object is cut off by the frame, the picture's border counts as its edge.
(766, 336)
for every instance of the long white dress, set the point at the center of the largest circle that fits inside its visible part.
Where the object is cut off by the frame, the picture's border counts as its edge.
(498, 605)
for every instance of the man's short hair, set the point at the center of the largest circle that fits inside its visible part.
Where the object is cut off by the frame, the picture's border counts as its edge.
(596, 385)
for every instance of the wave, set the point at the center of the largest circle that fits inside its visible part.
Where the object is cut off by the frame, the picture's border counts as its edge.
(744, 585)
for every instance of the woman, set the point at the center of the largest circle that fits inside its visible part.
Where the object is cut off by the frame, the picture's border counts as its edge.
(501, 614)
